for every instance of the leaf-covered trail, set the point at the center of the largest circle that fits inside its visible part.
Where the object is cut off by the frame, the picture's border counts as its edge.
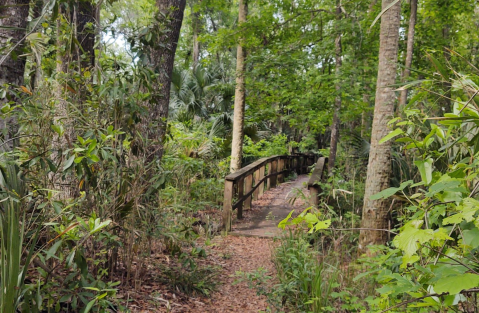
(247, 251)
(231, 254)
(237, 254)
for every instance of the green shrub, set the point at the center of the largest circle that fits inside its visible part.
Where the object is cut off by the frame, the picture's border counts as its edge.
(274, 145)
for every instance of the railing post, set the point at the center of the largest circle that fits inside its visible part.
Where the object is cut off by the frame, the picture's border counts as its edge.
(247, 188)
(240, 195)
(256, 180)
(313, 194)
(227, 205)
(268, 181)
(274, 169)
(261, 186)
(280, 168)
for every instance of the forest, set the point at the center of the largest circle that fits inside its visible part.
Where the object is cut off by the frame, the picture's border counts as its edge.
(239, 156)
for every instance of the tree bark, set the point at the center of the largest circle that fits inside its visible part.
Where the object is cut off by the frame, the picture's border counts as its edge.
(85, 29)
(337, 102)
(409, 52)
(240, 97)
(375, 212)
(13, 13)
(162, 58)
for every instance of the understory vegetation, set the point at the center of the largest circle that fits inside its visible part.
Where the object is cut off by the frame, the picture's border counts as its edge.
(120, 119)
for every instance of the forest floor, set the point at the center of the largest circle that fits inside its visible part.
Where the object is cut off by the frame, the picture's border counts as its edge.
(246, 250)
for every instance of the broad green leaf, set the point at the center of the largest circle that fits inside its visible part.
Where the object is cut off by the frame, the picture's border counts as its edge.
(391, 135)
(449, 185)
(456, 283)
(471, 237)
(409, 260)
(322, 225)
(99, 226)
(425, 169)
(386, 193)
(58, 129)
(68, 163)
(410, 238)
(311, 218)
(94, 158)
(51, 252)
(284, 222)
(89, 306)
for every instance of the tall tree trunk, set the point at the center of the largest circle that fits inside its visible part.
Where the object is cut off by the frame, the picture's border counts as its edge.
(337, 101)
(63, 183)
(85, 29)
(14, 14)
(162, 56)
(240, 97)
(379, 168)
(409, 51)
(196, 43)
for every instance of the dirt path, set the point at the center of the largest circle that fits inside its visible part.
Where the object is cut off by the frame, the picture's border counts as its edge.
(248, 249)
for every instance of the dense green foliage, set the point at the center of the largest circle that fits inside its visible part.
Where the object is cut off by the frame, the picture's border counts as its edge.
(84, 203)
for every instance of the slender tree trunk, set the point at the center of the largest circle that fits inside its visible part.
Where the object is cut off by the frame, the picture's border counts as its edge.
(409, 51)
(240, 97)
(61, 182)
(337, 101)
(196, 43)
(162, 57)
(375, 212)
(14, 14)
(447, 55)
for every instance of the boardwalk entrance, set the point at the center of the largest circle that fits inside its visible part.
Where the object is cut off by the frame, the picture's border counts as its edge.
(265, 214)
(262, 198)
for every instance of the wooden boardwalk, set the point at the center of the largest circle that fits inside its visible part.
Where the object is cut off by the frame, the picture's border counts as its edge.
(272, 207)
(261, 197)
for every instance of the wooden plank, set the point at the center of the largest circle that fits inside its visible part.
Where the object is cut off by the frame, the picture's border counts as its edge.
(248, 185)
(274, 169)
(240, 184)
(257, 178)
(227, 205)
(246, 195)
(317, 174)
(250, 168)
(268, 181)
(261, 185)
(280, 168)
(313, 194)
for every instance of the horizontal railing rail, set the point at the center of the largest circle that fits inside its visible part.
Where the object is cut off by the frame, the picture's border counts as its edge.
(251, 181)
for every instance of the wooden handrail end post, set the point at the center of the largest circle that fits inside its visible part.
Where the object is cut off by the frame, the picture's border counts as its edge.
(227, 205)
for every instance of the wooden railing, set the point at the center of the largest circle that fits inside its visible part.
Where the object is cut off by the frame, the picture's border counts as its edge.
(251, 181)
(319, 174)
